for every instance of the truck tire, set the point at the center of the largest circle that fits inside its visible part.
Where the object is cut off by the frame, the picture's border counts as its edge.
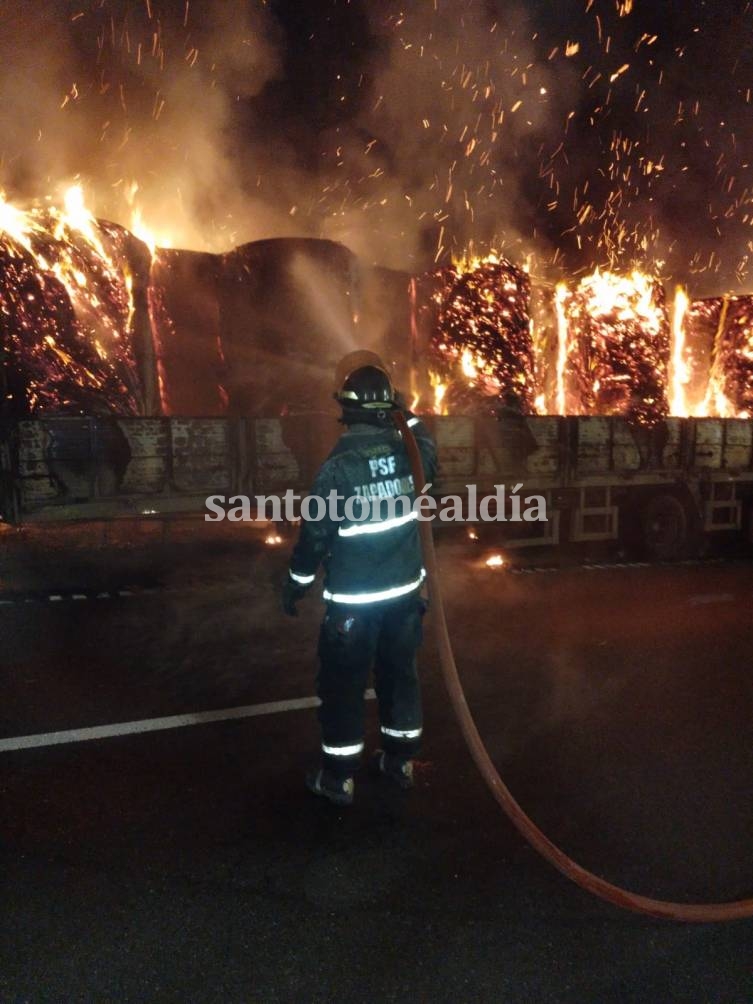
(664, 526)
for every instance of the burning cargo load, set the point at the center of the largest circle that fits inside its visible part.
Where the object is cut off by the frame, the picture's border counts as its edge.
(717, 338)
(184, 309)
(614, 348)
(288, 309)
(257, 331)
(694, 329)
(74, 330)
(92, 323)
(472, 335)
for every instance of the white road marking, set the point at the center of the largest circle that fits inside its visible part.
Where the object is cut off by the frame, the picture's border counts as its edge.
(160, 724)
(708, 598)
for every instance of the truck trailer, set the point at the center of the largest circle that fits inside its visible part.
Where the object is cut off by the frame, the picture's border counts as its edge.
(660, 492)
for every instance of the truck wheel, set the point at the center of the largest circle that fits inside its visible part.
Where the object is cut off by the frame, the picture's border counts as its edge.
(664, 523)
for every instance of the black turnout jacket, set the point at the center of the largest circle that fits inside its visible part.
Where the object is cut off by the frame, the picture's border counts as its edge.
(377, 558)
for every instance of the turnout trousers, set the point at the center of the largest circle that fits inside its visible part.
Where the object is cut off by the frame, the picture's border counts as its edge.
(353, 641)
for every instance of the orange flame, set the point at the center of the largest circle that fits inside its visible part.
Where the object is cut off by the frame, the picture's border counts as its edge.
(440, 390)
(680, 371)
(563, 345)
(64, 242)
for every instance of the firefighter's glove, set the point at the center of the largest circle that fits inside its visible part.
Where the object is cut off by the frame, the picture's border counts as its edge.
(292, 592)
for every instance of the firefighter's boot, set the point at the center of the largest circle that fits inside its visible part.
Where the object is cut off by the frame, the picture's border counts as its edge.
(397, 769)
(334, 788)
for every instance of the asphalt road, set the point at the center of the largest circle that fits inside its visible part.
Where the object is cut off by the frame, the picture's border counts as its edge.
(190, 865)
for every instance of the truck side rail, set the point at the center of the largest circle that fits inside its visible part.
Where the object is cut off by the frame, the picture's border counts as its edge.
(65, 468)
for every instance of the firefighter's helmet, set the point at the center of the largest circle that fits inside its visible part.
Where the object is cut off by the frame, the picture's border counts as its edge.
(362, 381)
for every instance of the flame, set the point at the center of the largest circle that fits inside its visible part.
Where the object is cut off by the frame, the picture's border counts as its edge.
(479, 373)
(482, 344)
(680, 370)
(15, 223)
(735, 363)
(627, 297)
(614, 346)
(440, 390)
(144, 233)
(470, 367)
(153, 239)
(723, 407)
(468, 262)
(138, 225)
(560, 297)
(716, 401)
(495, 561)
(69, 303)
(79, 219)
(619, 350)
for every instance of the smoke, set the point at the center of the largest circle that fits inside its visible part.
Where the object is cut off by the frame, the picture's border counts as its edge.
(153, 105)
(36, 57)
(597, 134)
(144, 105)
(602, 136)
(459, 104)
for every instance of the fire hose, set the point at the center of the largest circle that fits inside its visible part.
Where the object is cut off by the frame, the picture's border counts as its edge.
(686, 912)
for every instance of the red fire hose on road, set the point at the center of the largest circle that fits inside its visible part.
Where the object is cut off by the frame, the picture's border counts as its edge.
(687, 912)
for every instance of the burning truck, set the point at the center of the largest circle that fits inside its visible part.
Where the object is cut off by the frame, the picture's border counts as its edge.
(632, 425)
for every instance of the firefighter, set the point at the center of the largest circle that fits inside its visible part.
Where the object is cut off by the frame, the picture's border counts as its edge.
(372, 586)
